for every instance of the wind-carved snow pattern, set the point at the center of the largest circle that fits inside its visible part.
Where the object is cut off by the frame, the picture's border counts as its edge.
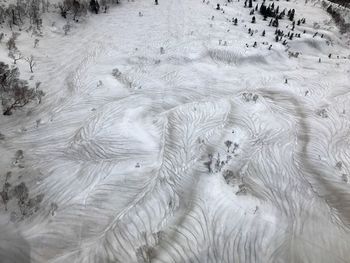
(157, 144)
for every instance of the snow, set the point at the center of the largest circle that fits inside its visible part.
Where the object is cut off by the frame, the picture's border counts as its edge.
(121, 159)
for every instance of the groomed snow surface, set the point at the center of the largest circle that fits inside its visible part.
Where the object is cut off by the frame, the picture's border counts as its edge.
(127, 149)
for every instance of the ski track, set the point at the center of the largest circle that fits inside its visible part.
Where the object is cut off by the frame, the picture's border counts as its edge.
(165, 113)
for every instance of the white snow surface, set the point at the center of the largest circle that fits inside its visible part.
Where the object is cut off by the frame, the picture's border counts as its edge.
(121, 160)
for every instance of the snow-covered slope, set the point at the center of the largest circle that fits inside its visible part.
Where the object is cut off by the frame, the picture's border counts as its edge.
(127, 149)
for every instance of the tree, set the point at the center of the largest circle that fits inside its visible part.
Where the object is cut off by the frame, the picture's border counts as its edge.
(275, 22)
(64, 8)
(250, 4)
(31, 63)
(75, 7)
(11, 43)
(15, 56)
(78, 9)
(291, 14)
(228, 144)
(34, 13)
(94, 6)
(14, 92)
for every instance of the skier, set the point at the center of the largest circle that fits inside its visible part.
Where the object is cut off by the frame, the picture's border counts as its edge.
(156, 2)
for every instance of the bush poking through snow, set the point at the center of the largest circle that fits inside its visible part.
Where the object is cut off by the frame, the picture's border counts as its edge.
(14, 92)
(27, 206)
(322, 113)
(116, 73)
(36, 42)
(250, 97)
(66, 28)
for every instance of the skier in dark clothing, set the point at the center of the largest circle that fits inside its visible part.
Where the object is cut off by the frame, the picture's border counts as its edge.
(156, 2)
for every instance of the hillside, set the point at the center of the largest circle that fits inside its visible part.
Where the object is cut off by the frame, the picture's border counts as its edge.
(170, 133)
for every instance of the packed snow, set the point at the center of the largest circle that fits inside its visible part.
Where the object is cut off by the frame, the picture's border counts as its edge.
(167, 135)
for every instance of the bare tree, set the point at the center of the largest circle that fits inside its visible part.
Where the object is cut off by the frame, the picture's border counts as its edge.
(15, 56)
(31, 63)
(228, 144)
(14, 92)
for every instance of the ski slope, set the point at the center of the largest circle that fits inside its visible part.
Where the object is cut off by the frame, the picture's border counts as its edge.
(132, 165)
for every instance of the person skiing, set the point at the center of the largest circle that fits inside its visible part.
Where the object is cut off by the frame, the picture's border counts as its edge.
(156, 2)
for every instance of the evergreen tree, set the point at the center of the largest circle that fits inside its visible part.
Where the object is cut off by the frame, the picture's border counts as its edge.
(269, 11)
(250, 3)
(263, 9)
(291, 15)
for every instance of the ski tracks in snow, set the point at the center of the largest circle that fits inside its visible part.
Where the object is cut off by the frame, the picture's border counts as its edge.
(137, 162)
